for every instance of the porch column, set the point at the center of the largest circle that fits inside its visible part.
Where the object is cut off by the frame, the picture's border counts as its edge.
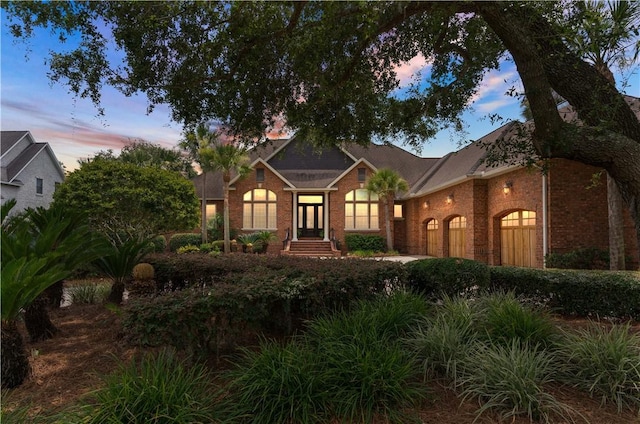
(294, 230)
(325, 207)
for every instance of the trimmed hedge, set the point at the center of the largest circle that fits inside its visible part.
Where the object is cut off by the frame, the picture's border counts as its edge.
(184, 239)
(366, 242)
(232, 292)
(574, 292)
(585, 258)
(448, 276)
(159, 244)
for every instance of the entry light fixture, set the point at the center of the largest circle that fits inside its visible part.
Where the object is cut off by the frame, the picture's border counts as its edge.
(426, 204)
(506, 188)
(450, 199)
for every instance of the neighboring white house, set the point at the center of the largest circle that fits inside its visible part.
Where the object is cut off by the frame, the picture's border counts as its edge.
(29, 171)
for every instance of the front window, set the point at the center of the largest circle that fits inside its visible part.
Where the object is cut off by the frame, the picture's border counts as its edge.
(259, 209)
(39, 186)
(361, 210)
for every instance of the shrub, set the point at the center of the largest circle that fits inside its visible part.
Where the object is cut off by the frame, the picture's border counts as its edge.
(584, 293)
(143, 271)
(511, 380)
(277, 384)
(187, 249)
(585, 258)
(159, 389)
(159, 244)
(184, 239)
(442, 341)
(604, 362)
(88, 293)
(365, 242)
(449, 276)
(505, 318)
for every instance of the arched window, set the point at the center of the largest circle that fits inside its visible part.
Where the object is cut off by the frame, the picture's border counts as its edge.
(259, 209)
(432, 237)
(518, 239)
(361, 210)
(457, 229)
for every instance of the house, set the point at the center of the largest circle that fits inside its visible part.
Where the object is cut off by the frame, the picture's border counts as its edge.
(29, 170)
(456, 205)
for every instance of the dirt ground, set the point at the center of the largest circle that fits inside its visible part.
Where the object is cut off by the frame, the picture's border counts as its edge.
(89, 345)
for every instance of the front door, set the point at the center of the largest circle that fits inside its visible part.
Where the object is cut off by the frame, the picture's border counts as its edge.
(310, 215)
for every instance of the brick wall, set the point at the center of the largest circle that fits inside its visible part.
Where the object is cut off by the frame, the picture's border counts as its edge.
(577, 212)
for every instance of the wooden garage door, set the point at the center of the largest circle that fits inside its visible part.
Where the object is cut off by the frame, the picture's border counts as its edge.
(518, 239)
(457, 228)
(432, 237)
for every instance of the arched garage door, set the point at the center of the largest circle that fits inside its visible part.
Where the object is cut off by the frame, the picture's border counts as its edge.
(432, 237)
(457, 239)
(518, 239)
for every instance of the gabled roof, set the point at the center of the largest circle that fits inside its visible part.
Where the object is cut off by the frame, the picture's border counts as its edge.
(11, 169)
(467, 162)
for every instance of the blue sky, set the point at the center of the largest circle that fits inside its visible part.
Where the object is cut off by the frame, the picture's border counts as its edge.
(29, 101)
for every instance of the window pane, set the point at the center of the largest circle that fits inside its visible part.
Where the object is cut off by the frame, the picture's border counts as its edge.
(349, 196)
(259, 215)
(310, 198)
(39, 185)
(272, 215)
(247, 196)
(397, 211)
(432, 225)
(211, 210)
(362, 195)
(247, 220)
(374, 215)
(320, 217)
(271, 196)
(259, 194)
(348, 216)
(373, 197)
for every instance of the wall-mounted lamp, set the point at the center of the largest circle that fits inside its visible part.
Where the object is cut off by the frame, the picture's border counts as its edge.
(450, 199)
(426, 204)
(506, 188)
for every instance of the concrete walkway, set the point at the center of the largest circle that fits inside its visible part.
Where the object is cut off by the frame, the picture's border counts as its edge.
(401, 258)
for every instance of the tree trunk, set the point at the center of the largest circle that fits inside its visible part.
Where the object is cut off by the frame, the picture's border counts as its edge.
(204, 207)
(116, 294)
(227, 232)
(616, 226)
(55, 294)
(36, 319)
(15, 362)
(387, 221)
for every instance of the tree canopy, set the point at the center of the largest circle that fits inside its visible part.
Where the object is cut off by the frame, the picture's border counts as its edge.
(328, 69)
(125, 201)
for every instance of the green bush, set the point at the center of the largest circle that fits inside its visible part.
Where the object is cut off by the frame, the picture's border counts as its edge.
(90, 294)
(574, 292)
(349, 367)
(449, 276)
(504, 318)
(236, 291)
(512, 380)
(189, 248)
(276, 384)
(585, 258)
(159, 389)
(184, 239)
(159, 244)
(365, 242)
(605, 362)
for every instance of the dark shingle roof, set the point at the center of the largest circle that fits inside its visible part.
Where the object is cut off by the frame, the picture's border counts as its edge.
(9, 138)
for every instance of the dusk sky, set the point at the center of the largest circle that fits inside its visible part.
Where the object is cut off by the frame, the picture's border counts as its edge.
(29, 101)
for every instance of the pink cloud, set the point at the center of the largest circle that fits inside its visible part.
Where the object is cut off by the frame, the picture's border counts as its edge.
(409, 70)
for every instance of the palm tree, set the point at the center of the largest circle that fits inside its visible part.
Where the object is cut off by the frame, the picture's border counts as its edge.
(118, 262)
(35, 256)
(608, 36)
(226, 158)
(386, 183)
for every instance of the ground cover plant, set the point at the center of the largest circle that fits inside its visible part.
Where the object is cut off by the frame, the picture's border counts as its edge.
(389, 356)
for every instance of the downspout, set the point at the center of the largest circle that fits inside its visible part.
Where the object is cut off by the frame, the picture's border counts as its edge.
(545, 236)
